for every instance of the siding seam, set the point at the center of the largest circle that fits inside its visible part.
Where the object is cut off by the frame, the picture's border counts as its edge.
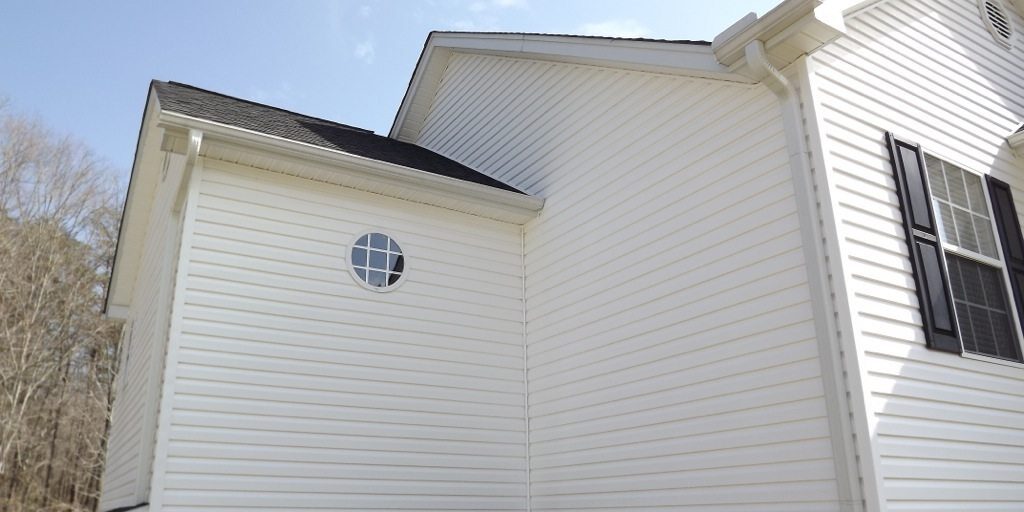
(526, 382)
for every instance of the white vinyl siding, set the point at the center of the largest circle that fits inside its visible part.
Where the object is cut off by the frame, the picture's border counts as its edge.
(298, 388)
(948, 431)
(671, 346)
(130, 446)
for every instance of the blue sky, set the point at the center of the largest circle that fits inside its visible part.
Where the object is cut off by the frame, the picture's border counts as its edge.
(83, 66)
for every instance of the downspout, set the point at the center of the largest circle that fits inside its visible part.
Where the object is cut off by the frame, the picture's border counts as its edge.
(851, 496)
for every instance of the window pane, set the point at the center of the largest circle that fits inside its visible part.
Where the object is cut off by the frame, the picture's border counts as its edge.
(986, 239)
(359, 257)
(364, 241)
(982, 308)
(948, 226)
(378, 260)
(378, 279)
(955, 182)
(379, 241)
(965, 229)
(975, 194)
(935, 177)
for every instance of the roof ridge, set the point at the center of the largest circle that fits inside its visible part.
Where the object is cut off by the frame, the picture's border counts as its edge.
(236, 98)
(613, 38)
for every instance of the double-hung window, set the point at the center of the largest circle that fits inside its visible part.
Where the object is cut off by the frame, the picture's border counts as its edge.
(967, 253)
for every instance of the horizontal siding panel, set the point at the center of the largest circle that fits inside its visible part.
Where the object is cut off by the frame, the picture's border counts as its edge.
(330, 500)
(438, 462)
(375, 400)
(254, 467)
(947, 429)
(668, 314)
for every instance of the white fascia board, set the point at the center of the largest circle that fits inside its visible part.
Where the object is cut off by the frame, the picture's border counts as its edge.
(1016, 140)
(518, 206)
(791, 29)
(665, 57)
(135, 215)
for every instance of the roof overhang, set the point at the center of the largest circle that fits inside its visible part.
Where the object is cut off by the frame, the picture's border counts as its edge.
(790, 30)
(666, 57)
(165, 132)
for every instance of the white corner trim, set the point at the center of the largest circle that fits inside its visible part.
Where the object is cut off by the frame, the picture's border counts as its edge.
(835, 392)
(853, 364)
(520, 205)
(166, 410)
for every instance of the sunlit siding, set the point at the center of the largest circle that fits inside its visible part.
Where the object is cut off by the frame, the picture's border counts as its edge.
(671, 348)
(297, 388)
(130, 447)
(949, 431)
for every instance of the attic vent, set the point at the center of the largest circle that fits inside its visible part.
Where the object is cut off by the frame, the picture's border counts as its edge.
(997, 21)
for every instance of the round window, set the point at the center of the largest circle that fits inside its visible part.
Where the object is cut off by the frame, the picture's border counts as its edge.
(377, 262)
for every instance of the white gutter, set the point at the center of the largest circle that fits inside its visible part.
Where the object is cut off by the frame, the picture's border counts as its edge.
(851, 495)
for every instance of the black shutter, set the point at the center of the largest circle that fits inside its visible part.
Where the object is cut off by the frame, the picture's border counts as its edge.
(926, 256)
(1009, 235)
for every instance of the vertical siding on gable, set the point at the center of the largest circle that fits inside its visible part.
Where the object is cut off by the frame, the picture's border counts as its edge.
(949, 431)
(130, 446)
(671, 347)
(297, 388)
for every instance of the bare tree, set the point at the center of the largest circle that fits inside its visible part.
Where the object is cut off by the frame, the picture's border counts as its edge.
(58, 222)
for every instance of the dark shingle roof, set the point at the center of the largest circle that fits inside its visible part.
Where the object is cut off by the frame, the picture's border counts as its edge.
(195, 102)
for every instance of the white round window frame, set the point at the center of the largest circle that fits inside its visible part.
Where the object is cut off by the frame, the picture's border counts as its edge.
(352, 268)
(1006, 42)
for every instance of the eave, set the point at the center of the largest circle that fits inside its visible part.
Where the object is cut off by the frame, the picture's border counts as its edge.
(790, 30)
(166, 131)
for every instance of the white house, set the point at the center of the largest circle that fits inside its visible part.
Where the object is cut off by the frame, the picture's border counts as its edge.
(782, 271)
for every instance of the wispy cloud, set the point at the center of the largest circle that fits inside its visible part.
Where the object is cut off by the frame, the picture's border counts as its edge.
(365, 52)
(614, 28)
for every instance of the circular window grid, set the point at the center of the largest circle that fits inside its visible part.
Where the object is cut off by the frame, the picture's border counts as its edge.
(377, 262)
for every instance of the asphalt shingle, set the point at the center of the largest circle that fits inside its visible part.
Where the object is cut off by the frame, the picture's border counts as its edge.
(220, 108)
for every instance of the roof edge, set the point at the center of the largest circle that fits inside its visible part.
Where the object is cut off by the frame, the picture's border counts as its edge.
(791, 29)
(123, 254)
(397, 175)
(686, 58)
